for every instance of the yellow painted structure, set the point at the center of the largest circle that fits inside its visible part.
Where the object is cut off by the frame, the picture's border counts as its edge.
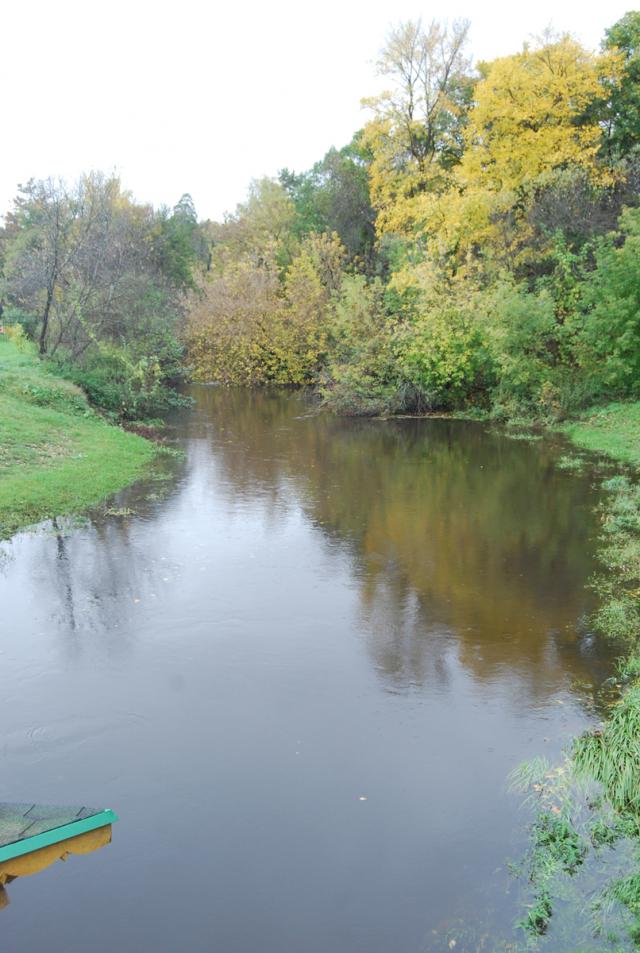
(37, 860)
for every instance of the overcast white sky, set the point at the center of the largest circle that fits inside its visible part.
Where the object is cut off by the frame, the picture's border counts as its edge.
(202, 97)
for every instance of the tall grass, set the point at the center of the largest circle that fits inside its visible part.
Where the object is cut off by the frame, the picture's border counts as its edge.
(591, 802)
(611, 755)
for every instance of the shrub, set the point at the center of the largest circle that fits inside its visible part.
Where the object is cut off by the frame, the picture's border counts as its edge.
(442, 354)
(360, 377)
(609, 339)
(247, 325)
(125, 387)
(16, 334)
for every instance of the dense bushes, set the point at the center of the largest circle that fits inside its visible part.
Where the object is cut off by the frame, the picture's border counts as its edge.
(609, 317)
(121, 385)
(546, 348)
(249, 324)
(386, 357)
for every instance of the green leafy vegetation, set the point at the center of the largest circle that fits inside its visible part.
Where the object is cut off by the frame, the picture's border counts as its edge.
(57, 456)
(100, 283)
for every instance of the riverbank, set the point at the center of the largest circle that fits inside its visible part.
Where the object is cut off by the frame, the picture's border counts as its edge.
(610, 429)
(613, 430)
(590, 803)
(57, 456)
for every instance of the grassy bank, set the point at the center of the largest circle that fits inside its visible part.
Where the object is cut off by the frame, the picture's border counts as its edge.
(56, 455)
(613, 430)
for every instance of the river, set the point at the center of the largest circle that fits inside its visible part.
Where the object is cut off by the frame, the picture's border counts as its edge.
(300, 667)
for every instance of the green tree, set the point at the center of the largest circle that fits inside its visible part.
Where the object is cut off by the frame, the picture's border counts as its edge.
(609, 339)
(105, 279)
(333, 196)
(180, 242)
(621, 113)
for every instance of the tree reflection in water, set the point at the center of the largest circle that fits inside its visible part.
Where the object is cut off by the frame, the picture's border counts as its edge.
(457, 534)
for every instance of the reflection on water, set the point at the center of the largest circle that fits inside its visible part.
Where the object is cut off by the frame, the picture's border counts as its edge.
(449, 527)
(301, 671)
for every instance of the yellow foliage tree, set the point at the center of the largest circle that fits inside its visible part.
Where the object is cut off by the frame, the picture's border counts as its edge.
(415, 134)
(245, 326)
(530, 118)
(229, 317)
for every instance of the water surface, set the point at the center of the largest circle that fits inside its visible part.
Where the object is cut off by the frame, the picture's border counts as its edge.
(300, 668)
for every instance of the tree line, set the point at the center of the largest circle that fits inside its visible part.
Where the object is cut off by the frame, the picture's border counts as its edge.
(100, 282)
(474, 245)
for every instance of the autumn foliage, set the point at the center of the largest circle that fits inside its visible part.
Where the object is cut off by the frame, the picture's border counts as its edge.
(473, 245)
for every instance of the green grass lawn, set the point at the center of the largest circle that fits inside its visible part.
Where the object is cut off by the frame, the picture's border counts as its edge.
(613, 430)
(56, 455)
